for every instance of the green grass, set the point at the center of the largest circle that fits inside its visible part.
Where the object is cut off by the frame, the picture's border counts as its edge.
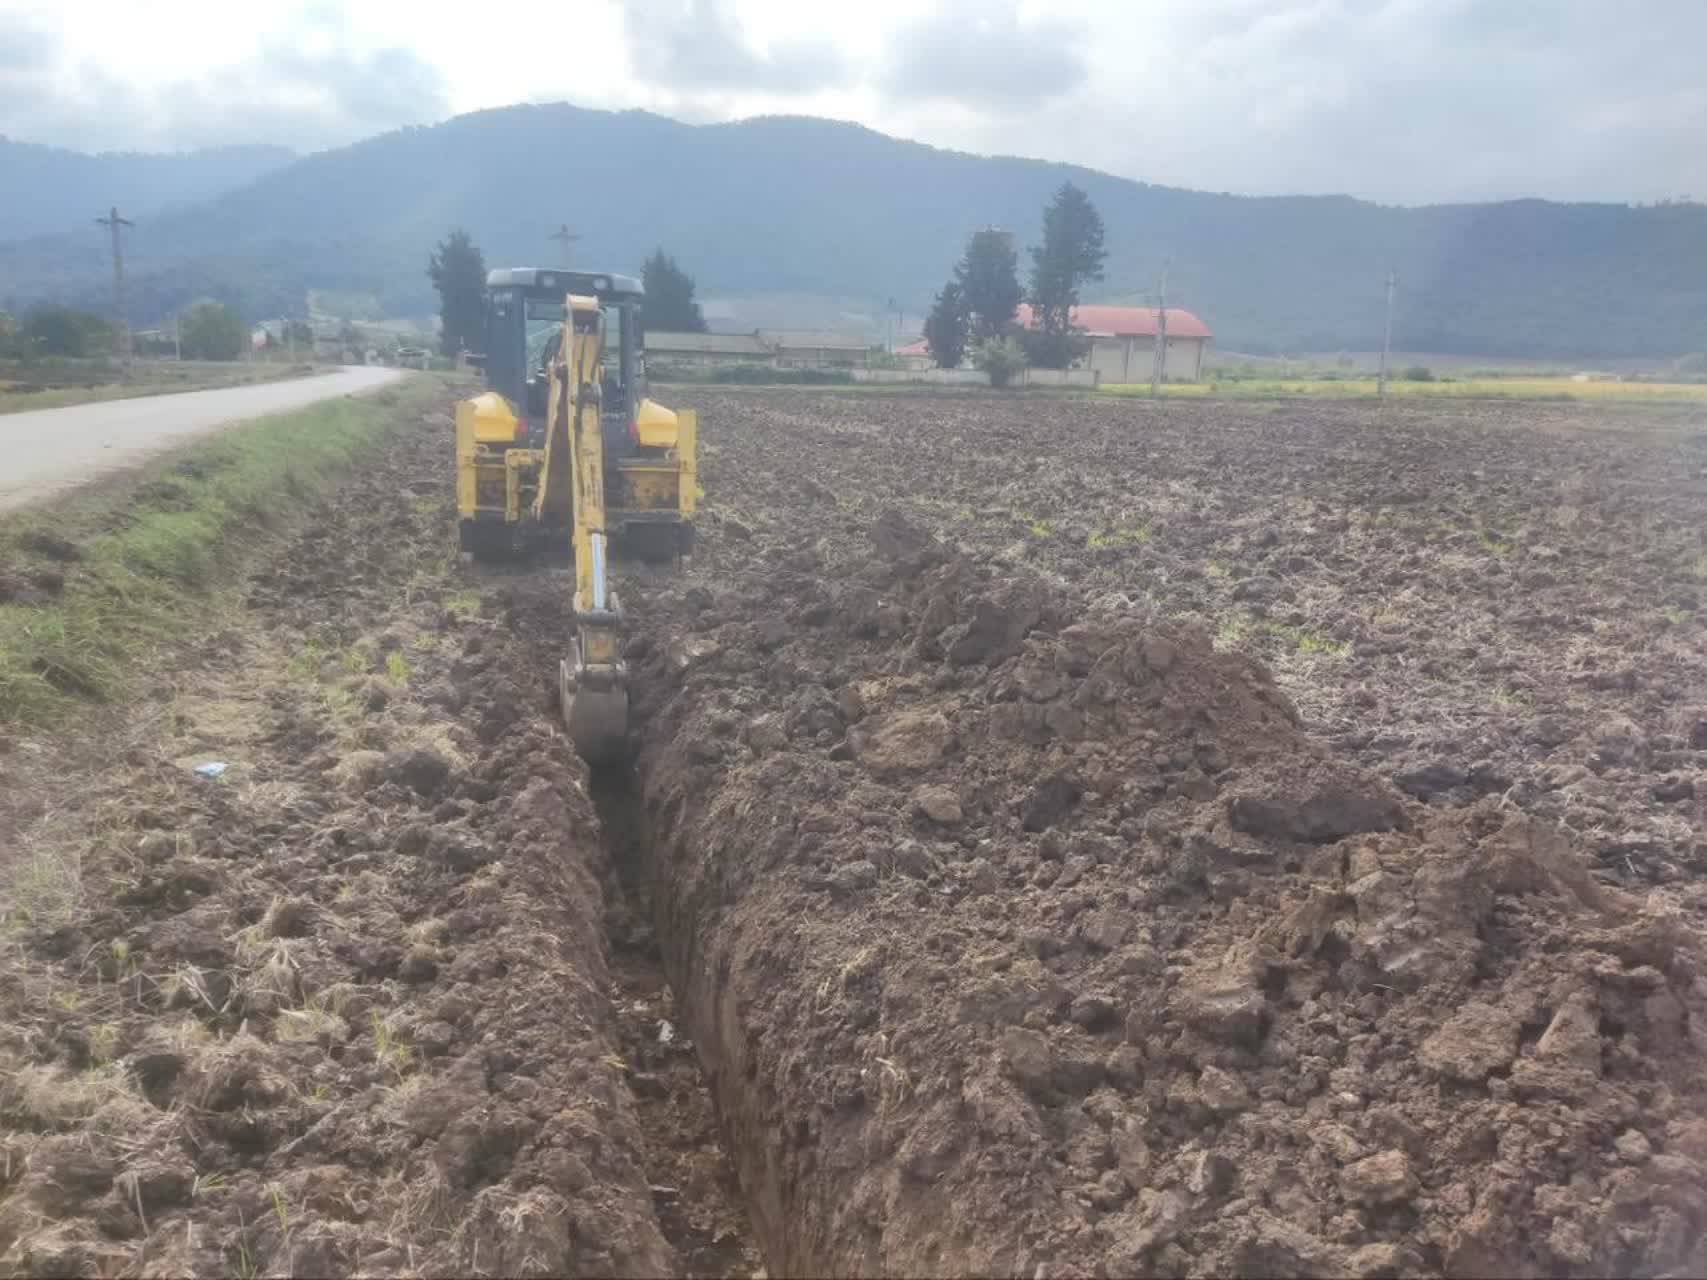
(1492, 542)
(1541, 388)
(55, 384)
(147, 559)
(1508, 699)
(388, 1050)
(1237, 629)
(1315, 642)
(1122, 536)
(463, 604)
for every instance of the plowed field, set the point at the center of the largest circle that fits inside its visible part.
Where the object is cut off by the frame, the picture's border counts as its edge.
(1082, 837)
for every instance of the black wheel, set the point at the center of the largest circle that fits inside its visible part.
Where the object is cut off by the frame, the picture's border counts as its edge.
(651, 543)
(486, 541)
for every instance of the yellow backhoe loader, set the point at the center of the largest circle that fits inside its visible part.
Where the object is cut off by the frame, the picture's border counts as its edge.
(566, 446)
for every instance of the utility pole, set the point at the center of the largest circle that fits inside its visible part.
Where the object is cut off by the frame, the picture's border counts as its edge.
(1387, 339)
(1157, 368)
(114, 222)
(566, 238)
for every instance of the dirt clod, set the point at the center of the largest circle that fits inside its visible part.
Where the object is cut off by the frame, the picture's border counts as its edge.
(1282, 929)
(424, 772)
(902, 742)
(939, 804)
(1325, 804)
(1380, 1179)
(1029, 1058)
(353, 1012)
(1475, 1041)
(1320, 895)
(51, 545)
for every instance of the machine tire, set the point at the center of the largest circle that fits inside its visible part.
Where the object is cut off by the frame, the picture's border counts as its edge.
(486, 542)
(652, 543)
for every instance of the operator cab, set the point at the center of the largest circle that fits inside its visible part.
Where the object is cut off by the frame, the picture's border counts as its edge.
(524, 326)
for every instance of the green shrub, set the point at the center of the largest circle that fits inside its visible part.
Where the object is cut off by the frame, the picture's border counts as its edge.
(62, 331)
(1000, 358)
(212, 331)
(1418, 373)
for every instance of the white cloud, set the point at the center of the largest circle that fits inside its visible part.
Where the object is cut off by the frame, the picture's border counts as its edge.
(1400, 100)
(308, 82)
(982, 53)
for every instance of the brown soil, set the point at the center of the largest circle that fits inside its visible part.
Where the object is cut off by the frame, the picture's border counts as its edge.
(1022, 931)
(1083, 837)
(353, 1006)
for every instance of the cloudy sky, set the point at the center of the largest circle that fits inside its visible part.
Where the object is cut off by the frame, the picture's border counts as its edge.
(1405, 101)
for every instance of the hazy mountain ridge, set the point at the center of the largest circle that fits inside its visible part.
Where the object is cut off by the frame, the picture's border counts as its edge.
(797, 205)
(50, 189)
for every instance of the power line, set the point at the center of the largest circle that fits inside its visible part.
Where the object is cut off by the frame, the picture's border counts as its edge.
(113, 222)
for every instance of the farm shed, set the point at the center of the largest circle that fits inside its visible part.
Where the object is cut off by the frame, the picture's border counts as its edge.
(1123, 341)
(817, 349)
(708, 349)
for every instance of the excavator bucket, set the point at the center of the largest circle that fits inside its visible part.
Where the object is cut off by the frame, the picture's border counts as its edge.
(597, 718)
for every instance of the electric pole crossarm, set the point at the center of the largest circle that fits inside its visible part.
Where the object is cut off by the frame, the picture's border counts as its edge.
(566, 238)
(113, 223)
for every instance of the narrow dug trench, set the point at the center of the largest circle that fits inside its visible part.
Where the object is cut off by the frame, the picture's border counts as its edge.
(695, 1192)
(1021, 930)
(693, 1182)
(377, 1000)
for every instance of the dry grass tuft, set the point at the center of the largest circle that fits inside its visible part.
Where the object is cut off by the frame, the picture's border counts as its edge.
(50, 1098)
(43, 889)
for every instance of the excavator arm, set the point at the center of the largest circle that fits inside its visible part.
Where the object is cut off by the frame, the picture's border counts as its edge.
(592, 679)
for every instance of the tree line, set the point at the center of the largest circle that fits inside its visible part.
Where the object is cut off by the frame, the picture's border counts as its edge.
(974, 313)
(457, 269)
(207, 330)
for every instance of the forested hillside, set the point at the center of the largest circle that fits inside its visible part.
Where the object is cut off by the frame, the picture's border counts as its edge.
(49, 190)
(810, 206)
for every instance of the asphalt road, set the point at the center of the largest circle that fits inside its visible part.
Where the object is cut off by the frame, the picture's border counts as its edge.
(46, 451)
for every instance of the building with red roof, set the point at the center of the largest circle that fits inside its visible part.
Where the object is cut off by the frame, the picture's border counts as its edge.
(1123, 342)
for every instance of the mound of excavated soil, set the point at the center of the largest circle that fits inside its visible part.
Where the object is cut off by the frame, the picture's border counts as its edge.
(1023, 940)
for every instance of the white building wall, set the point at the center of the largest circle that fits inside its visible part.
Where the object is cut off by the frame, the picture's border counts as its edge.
(1132, 359)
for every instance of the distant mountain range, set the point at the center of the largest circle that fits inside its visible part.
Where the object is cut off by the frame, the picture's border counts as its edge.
(50, 189)
(794, 206)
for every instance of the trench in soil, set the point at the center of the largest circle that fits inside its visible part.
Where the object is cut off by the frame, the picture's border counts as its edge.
(695, 1191)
